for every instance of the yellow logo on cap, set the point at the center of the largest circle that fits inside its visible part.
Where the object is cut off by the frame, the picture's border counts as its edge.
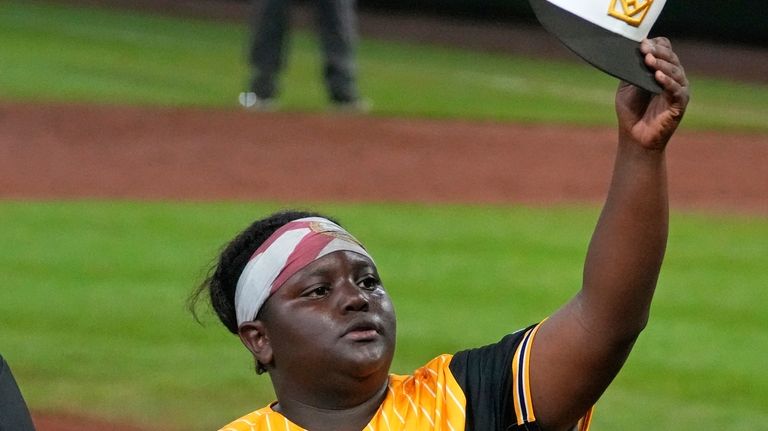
(632, 12)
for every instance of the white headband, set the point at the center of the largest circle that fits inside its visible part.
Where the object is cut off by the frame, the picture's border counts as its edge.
(288, 250)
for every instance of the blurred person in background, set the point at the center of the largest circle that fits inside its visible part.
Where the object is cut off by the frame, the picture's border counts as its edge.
(336, 22)
(14, 415)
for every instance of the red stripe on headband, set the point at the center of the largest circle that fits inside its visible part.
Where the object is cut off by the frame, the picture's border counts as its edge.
(305, 252)
(293, 225)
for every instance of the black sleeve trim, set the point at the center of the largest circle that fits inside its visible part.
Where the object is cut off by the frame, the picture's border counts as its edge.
(485, 376)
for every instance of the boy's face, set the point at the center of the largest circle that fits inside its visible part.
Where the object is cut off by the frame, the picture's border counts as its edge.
(333, 317)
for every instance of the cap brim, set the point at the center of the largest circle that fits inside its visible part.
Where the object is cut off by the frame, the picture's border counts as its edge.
(610, 52)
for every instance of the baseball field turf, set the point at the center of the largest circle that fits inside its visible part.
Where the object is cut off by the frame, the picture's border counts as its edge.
(55, 53)
(93, 306)
(92, 311)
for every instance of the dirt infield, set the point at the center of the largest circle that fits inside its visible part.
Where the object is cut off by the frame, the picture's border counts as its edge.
(60, 422)
(77, 151)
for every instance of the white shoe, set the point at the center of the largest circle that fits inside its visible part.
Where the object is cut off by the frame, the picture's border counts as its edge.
(357, 106)
(250, 101)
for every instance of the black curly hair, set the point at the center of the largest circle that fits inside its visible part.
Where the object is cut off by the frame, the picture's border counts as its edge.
(221, 282)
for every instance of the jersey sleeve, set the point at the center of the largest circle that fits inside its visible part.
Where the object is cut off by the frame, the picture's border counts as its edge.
(496, 384)
(485, 375)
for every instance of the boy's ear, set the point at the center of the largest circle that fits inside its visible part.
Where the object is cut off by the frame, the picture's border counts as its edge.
(254, 337)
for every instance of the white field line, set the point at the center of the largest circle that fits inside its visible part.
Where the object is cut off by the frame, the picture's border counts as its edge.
(736, 116)
(520, 85)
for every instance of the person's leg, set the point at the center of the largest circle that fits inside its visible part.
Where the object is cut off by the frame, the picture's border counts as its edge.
(269, 24)
(337, 25)
(14, 414)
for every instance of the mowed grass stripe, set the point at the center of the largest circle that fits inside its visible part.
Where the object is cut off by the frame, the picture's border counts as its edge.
(92, 311)
(64, 53)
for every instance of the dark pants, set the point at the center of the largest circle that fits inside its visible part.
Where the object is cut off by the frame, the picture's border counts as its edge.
(337, 26)
(14, 415)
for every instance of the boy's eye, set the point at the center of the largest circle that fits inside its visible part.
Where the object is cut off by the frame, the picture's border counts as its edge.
(317, 291)
(369, 282)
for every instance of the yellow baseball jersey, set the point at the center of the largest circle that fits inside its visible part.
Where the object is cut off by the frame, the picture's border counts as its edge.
(480, 389)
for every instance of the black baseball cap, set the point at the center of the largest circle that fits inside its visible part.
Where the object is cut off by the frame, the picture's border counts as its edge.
(605, 33)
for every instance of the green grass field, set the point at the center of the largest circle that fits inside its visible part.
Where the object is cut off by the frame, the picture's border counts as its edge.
(92, 313)
(66, 54)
